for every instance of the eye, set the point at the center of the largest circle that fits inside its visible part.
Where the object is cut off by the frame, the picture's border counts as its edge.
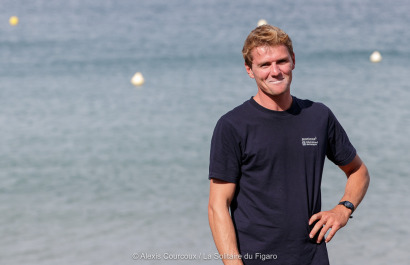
(283, 61)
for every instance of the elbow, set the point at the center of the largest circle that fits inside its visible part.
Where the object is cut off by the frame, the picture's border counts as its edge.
(367, 176)
(216, 210)
(363, 177)
(357, 168)
(210, 211)
(211, 214)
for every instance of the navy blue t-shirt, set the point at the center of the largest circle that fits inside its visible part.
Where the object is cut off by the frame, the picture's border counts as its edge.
(276, 159)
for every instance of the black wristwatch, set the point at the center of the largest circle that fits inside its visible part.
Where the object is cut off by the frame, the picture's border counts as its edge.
(348, 205)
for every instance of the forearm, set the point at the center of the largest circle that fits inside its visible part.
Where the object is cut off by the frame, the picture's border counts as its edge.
(224, 236)
(358, 180)
(356, 185)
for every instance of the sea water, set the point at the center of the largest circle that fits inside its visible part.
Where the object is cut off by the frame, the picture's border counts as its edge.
(96, 171)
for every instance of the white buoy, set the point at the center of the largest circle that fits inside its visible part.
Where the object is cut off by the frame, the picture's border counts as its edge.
(137, 79)
(375, 57)
(262, 22)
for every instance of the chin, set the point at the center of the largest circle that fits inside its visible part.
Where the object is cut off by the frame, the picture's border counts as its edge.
(277, 92)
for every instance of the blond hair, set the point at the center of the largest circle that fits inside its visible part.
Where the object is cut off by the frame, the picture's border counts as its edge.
(265, 35)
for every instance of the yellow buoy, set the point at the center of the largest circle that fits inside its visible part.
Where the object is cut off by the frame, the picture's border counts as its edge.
(14, 20)
(376, 57)
(262, 22)
(137, 79)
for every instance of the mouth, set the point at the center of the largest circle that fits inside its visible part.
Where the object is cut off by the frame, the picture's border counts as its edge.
(275, 82)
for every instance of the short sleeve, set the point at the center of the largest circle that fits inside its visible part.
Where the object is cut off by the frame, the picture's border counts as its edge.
(225, 154)
(339, 150)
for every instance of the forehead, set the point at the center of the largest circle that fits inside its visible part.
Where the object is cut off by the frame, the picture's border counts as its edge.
(263, 53)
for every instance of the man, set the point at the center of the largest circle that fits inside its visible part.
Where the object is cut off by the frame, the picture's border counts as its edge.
(266, 165)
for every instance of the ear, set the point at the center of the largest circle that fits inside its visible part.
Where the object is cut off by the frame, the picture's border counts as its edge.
(293, 60)
(249, 71)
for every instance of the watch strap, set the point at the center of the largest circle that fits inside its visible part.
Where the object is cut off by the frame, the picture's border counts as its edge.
(348, 205)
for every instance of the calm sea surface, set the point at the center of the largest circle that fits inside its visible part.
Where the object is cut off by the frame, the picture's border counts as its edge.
(96, 171)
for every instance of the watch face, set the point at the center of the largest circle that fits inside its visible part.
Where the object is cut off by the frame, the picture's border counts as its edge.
(349, 205)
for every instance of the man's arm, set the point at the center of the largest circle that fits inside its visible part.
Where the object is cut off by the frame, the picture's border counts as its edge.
(358, 180)
(220, 221)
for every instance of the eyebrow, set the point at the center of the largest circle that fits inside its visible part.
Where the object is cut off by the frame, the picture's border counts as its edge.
(283, 59)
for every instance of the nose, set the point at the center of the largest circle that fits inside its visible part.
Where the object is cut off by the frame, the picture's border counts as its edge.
(274, 70)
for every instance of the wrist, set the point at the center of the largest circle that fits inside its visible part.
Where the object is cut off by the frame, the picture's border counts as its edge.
(348, 207)
(343, 211)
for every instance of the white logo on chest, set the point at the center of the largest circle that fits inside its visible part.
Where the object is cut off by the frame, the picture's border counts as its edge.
(310, 141)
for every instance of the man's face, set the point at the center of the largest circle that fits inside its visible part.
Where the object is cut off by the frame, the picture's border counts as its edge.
(272, 69)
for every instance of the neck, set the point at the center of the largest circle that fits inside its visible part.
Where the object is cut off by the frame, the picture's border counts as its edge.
(276, 103)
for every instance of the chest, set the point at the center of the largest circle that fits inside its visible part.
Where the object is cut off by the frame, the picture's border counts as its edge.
(284, 141)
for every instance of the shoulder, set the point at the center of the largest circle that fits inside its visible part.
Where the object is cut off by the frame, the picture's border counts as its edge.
(236, 115)
(315, 107)
(235, 122)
